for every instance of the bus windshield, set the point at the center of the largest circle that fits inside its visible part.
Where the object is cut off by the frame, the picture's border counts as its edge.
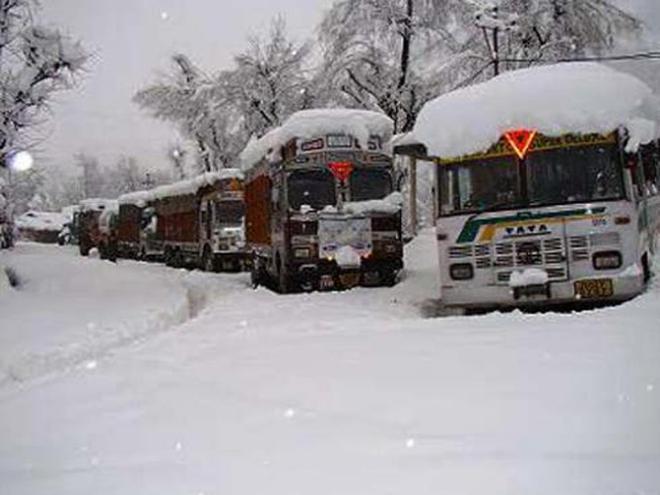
(370, 183)
(574, 175)
(557, 176)
(479, 185)
(230, 212)
(314, 188)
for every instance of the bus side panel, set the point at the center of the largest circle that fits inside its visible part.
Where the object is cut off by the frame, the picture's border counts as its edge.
(257, 199)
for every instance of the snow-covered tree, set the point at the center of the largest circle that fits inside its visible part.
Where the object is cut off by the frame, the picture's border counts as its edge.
(395, 55)
(526, 32)
(35, 62)
(387, 54)
(219, 113)
(92, 180)
(271, 80)
(176, 154)
(182, 98)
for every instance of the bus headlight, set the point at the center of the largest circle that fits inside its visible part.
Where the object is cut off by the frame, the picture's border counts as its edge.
(461, 271)
(607, 260)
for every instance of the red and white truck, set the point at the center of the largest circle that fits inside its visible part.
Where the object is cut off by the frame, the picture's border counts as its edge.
(90, 213)
(197, 222)
(322, 207)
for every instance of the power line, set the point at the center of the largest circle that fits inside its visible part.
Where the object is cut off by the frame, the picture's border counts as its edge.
(650, 55)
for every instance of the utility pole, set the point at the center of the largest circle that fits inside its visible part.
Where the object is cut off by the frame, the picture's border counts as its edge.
(413, 195)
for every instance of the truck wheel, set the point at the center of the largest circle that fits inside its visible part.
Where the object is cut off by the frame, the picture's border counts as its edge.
(388, 278)
(208, 263)
(169, 259)
(84, 249)
(112, 253)
(284, 283)
(258, 275)
(646, 269)
(102, 251)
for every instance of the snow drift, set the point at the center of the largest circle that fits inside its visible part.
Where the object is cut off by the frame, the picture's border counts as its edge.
(578, 98)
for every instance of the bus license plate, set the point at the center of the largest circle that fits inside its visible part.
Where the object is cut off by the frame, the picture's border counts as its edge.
(595, 288)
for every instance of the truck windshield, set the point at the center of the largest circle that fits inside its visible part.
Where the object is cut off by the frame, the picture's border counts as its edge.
(314, 188)
(229, 212)
(572, 175)
(479, 185)
(370, 183)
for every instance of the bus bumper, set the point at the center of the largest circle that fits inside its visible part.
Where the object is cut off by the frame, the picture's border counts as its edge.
(625, 286)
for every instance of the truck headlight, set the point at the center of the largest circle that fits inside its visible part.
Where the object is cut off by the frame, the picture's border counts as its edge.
(607, 260)
(302, 252)
(461, 271)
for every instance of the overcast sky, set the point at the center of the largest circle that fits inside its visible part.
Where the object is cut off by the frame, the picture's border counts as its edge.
(132, 41)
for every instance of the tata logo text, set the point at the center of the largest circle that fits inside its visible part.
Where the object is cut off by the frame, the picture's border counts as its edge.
(527, 230)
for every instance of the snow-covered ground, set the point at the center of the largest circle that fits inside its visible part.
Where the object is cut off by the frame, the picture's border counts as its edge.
(349, 393)
(70, 310)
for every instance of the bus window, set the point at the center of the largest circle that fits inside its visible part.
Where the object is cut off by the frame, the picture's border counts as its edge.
(573, 175)
(478, 185)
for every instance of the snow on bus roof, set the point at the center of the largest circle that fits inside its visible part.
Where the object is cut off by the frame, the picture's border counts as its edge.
(579, 98)
(181, 188)
(308, 124)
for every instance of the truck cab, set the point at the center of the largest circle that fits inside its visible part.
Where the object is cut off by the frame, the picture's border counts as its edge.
(322, 209)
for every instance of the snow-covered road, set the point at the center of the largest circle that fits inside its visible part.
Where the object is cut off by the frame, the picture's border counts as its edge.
(249, 392)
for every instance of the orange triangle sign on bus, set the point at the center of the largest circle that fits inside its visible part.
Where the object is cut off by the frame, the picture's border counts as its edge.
(520, 140)
(341, 170)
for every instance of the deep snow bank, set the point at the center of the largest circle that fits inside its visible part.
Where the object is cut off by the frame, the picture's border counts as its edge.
(70, 309)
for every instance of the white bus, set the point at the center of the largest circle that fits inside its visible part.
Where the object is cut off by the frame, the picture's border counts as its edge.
(537, 220)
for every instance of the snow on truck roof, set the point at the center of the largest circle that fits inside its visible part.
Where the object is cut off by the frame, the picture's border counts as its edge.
(577, 98)
(98, 204)
(181, 188)
(41, 221)
(308, 124)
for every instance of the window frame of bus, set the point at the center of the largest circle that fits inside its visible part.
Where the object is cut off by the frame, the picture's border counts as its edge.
(522, 192)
